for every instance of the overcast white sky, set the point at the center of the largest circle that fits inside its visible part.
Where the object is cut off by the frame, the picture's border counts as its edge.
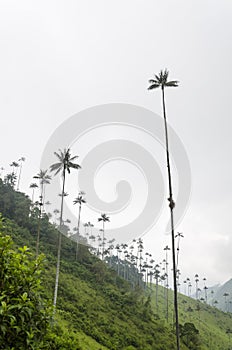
(59, 57)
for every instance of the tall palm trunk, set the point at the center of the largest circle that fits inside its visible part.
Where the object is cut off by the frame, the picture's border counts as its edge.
(39, 221)
(59, 244)
(103, 238)
(156, 296)
(78, 229)
(19, 178)
(171, 205)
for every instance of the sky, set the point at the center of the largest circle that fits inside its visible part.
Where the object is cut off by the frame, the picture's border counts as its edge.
(59, 58)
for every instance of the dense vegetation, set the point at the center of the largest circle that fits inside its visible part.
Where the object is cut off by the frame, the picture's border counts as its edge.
(96, 308)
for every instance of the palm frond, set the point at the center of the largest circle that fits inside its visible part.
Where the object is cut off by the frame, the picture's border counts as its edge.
(153, 86)
(73, 158)
(165, 74)
(56, 166)
(74, 166)
(173, 83)
(60, 155)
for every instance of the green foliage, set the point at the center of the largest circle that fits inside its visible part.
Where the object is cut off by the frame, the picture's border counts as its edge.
(24, 316)
(14, 205)
(189, 335)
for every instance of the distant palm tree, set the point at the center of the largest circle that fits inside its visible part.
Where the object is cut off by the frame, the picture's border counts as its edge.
(104, 218)
(161, 81)
(167, 285)
(33, 186)
(185, 286)
(44, 179)
(21, 160)
(225, 296)
(64, 165)
(206, 296)
(196, 281)
(14, 165)
(157, 276)
(178, 236)
(56, 212)
(79, 200)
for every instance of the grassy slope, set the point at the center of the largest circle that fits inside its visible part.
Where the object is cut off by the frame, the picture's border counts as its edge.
(94, 298)
(94, 302)
(97, 304)
(211, 322)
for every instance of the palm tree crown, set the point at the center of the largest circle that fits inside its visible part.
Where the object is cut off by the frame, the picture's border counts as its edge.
(161, 80)
(80, 199)
(104, 218)
(66, 162)
(43, 177)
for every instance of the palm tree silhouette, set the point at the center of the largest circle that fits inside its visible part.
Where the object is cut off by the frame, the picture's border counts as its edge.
(14, 165)
(161, 81)
(64, 165)
(225, 295)
(33, 186)
(21, 160)
(79, 200)
(44, 179)
(196, 281)
(178, 236)
(104, 218)
(167, 285)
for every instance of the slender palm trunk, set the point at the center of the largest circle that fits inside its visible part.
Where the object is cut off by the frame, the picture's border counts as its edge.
(172, 226)
(32, 196)
(19, 178)
(156, 297)
(59, 244)
(167, 286)
(103, 239)
(39, 221)
(78, 229)
(43, 197)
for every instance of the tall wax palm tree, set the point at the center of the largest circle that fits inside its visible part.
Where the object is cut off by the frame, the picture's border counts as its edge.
(56, 212)
(64, 165)
(167, 285)
(79, 200)
(21, 160)
(33, 186)
(178, 236)
(157, 276)
(44, 179)
(225, 295)
(196, 281)
(206, 296)
(14, 166)
(161, 81)
(104, 218)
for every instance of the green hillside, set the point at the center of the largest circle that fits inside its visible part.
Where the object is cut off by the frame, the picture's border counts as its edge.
(215, 326)
(96, 308)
